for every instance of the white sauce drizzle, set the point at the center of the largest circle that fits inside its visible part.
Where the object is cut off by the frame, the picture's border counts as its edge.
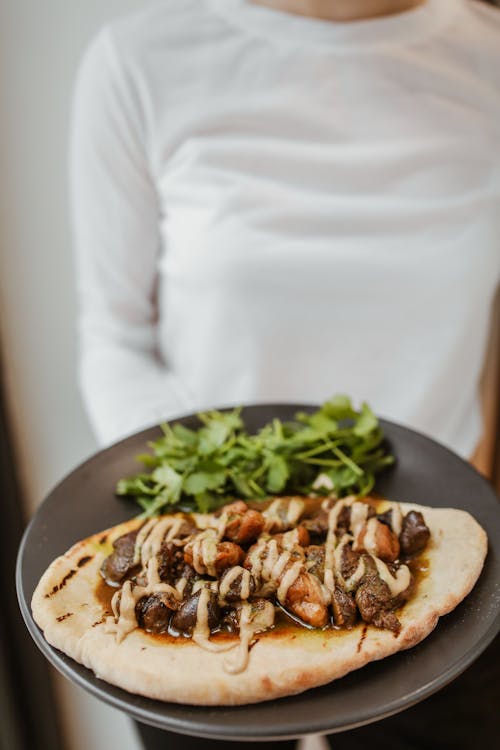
(271, 556)
(255, 558)
(127, 620)
(201, 632)
(204, 552)
(222, 523)
(323, 481)
(180, 586)
(288, 580)
(205, 521)
(397, 519)
(283, 513)
(251, 622)
(280, 565)
(352, 581)
(329, 580)
(331, 539)
(230, 577)
(141, 536)
(152, 534)
(370, 537)
(270, 565)
(359, 513)
(115, 600)
(290, 539)
(355, 578)
(397, 584)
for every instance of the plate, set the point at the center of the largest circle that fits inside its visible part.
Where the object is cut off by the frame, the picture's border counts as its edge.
(425, 472)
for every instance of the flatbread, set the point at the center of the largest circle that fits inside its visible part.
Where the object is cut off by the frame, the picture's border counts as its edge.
(68, 609)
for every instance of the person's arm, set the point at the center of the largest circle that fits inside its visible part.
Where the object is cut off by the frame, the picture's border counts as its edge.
(115, 216)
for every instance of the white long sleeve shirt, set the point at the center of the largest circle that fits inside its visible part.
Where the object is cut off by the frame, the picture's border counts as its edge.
(274, 208)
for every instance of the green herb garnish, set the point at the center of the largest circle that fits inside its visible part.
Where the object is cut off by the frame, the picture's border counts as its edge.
(334, 450)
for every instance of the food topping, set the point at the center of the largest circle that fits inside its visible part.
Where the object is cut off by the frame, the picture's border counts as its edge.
(344, 608)
(254, 618)
(415, 534)
(122, 560)
(207, 555)
(195, 576)
(283, 514)
(378, 539)
(236, 584)
(243, 525)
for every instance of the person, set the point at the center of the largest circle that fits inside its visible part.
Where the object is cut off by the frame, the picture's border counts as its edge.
(278, 200)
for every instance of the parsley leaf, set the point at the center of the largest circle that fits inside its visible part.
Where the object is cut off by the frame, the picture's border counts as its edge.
(333, 450)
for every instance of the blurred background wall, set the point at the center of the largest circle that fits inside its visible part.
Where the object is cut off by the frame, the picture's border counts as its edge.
(40, 46)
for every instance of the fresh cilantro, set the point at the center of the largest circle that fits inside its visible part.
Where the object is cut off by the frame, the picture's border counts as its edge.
(334, 450)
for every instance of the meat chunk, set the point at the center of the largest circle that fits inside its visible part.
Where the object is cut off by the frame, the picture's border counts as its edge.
(170, 562)
(414, 534)
(317, 525)
(242, 584)
(344, 608)
(154, 612)
(244, 524)
(374, 601)
(315, 560)
(349, 561)
(378, 539)
(184, 620)
(306, 600)
(120, 563)
(228, 555)
(220, 556)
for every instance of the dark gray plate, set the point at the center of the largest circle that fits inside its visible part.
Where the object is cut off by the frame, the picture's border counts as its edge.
(426, 473)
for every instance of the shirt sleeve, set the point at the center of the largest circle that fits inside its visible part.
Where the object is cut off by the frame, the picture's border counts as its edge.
(115, 220)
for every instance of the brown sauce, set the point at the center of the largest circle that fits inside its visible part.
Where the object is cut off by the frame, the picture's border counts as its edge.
(104, 594)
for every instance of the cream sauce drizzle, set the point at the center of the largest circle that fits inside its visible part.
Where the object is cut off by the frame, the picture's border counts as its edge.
(180, 586)
(201, 632)
(288, 580)
(204, 552)
(290, 539)
(283, 513)
(251, 622)
(141, 536)
(398, 583)
(127, 620)
(270, 565)
(348, 583)
(331, 540)
(359, 514)
(370, 538)
(152, 534)
(221, 525)
(397, 519)
(323, 481)
(230, 577)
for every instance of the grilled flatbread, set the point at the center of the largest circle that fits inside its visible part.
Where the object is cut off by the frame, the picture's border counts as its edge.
(246, 606)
